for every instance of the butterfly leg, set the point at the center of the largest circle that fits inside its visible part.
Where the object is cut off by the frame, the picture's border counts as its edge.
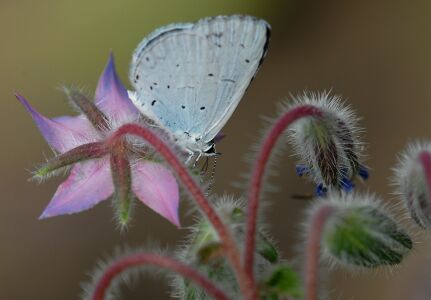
(197, 159)
(189, 158)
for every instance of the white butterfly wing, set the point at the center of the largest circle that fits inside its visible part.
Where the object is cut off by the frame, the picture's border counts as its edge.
(189, 78)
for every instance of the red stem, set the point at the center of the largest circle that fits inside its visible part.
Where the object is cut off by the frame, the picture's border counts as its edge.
(259, 170)
(156, 260)
(245, 282)
(313, 250)
(425, 158)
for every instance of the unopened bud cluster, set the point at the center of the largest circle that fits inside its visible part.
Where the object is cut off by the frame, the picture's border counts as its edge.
(328, 146)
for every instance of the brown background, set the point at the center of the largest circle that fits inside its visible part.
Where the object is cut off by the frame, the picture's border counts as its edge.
(377, 54)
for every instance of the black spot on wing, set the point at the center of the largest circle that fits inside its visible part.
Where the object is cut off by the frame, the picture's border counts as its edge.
(153, 102)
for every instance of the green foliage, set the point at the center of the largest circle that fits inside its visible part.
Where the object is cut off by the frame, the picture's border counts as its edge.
(284, 281)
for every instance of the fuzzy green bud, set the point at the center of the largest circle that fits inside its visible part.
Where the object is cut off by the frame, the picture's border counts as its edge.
(360, 233)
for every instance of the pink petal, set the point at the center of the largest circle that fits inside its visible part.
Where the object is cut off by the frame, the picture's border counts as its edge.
(156, 187)
(88, 184)
(63, 133)
(112, 97)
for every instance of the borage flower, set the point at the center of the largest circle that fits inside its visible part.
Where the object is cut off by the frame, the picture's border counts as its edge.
(122, 170)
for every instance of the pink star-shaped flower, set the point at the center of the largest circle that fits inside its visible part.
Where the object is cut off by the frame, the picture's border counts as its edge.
(101, 170)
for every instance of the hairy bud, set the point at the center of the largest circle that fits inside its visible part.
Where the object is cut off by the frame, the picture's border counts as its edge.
(358, 232)
(328, 146)
(413, 178)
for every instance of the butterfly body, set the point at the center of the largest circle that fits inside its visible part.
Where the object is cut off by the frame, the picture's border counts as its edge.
(190, 77)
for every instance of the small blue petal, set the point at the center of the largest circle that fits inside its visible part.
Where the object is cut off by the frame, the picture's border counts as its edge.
(321, 190)
(363, 172)
(302, 170)
(347, 184)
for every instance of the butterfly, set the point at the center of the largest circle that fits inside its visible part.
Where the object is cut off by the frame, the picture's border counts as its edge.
(189, 77)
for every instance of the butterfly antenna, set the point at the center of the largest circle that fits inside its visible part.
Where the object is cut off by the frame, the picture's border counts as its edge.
(211, 180)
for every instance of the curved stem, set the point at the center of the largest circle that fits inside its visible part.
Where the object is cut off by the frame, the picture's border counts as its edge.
(259, 170)
(245, 282)
(121, 265)
(313, 250)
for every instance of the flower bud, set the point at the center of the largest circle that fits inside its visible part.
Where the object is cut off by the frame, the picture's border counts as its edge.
(358, 232)
(328, 146)
(412, 182)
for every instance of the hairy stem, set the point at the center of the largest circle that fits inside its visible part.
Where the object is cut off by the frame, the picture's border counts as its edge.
(122, 264)
(245, 282)
(313, 250)
(258, 173)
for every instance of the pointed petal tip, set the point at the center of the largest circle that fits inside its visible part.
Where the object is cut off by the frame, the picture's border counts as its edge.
(17, 94)
(177, 224)
(111, 58)
(155, 186)
(110, 70)
(44, 215)
(174, 219)
(21, 98)
(111, 95)
(36, 115)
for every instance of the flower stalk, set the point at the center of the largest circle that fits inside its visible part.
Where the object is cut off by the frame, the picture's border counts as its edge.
(245, 280)
(258, 173)
(313, 250)
(156, 260)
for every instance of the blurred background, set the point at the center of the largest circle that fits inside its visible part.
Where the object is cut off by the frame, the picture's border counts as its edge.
(376, 54)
